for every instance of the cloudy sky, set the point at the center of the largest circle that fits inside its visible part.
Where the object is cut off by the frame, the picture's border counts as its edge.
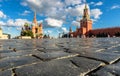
(57, 15)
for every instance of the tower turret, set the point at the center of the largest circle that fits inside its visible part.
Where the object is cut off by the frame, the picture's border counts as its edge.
(35, 20)
(86, 22)
(85, 13)
(70, 30)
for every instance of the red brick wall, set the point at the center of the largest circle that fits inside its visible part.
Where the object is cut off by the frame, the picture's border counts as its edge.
(110, 31)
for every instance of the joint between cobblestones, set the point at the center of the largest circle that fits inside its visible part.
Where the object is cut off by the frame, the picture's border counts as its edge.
(105, 62)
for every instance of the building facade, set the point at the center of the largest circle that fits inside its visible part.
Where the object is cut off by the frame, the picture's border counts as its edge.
(37, 29)
(33, 31)
(3, 35)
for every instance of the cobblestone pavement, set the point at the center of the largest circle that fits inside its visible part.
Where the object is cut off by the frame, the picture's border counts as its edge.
(60, 57)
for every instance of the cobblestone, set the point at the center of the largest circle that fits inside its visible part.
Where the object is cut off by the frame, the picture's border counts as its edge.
(60, 57)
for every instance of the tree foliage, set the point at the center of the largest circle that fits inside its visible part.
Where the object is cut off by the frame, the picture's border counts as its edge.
(27, 33)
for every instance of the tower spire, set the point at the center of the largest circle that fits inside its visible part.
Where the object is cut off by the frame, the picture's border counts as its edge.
(70, 30)
(76, 28)
(86, 14)
(85, 5)
(34, 19)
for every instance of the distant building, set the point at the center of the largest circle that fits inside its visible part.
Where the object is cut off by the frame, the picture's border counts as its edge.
(33, 31)
(86, 30)
(37, 29)
(3, 35)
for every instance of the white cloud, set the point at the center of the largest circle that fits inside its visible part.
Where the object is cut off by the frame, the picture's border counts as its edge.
(40, 21)
(77, 11)
(54, 22)
(16, 22)
(72, 2)
(44, 6)
(91, 3)
(2, 23)
(2, 15)
(99, 3)
(23, 3)
(96, 4)
(64, 29)
(26, 12)
(96, 13)
(49, 31)
(115, 7)
(19, 28)
(21, 22)
(10, 22)
(75, 23)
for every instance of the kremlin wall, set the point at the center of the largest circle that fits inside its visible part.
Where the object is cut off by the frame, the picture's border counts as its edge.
(86, 30)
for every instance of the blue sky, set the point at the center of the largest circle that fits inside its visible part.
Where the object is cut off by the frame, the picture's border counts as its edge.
(57, 15)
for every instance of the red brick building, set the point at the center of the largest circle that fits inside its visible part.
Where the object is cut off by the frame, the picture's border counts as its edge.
(86, 30)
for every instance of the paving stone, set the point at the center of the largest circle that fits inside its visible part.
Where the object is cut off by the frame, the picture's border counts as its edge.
(51, 68)
(84, 49)
(50, 50)
(109, 70)
(54, 55)
(62, 67)
(16, 61)
(108, 58)
(19, 53)
(5, 51)
(6, 73)
(86, 65)
(113, 50)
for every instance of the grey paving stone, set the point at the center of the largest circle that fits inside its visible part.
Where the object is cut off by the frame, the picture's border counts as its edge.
(86, 65)
(84, 49)
(113, 50)
(16, 61)
(6, 51)
(19, 53)
(50, 50)
(54, 55)
(109, 70)
(6, 73)
(62, 67)
(108, 58)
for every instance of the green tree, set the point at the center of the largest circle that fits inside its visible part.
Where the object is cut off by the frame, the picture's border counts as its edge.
(27, 33)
